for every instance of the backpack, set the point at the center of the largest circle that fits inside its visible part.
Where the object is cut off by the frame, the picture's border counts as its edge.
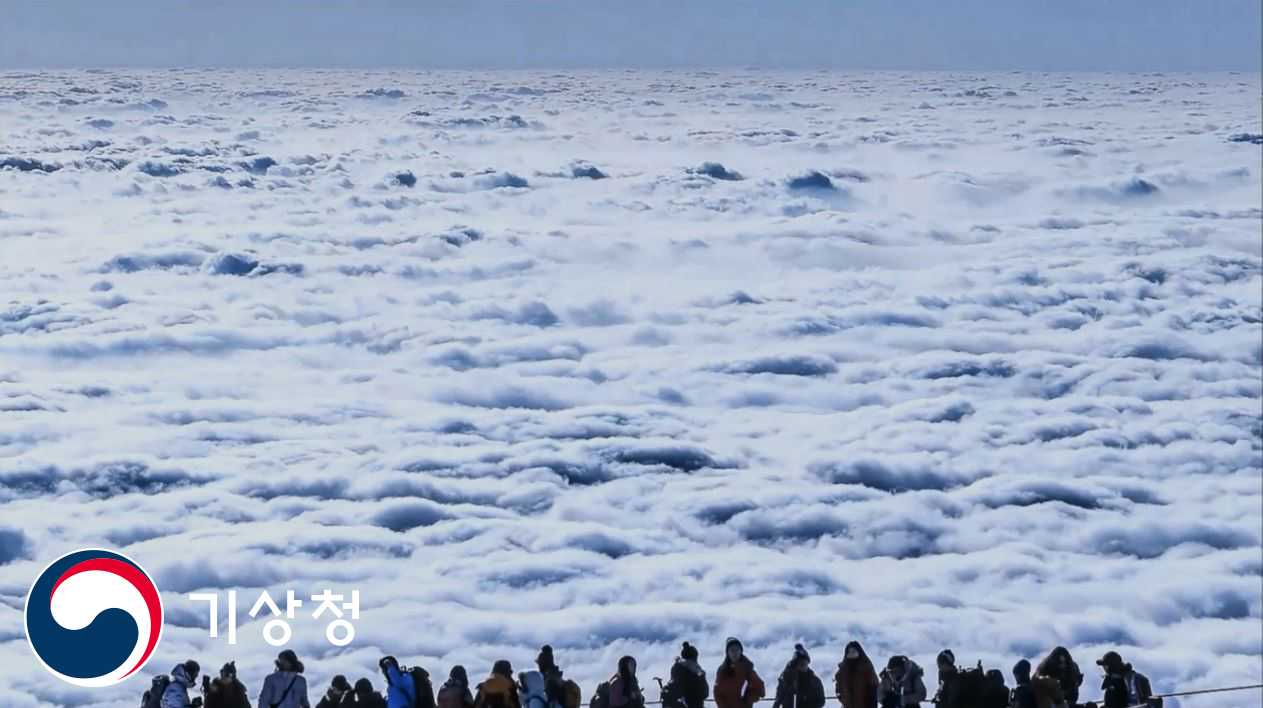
(574, 695)
(451, 695)
(494, 698)
(424, 690)
(813, 695)
(971, 687)
(601, 699)
(153, 697)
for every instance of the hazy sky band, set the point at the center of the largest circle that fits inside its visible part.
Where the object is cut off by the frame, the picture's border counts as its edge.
(1130, 35)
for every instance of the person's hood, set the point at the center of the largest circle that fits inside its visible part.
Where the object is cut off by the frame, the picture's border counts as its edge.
(532, 682)
(180, 675)
(913, 671)
(862, 657)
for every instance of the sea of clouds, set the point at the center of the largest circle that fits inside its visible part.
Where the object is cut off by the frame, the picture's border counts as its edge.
(614, 360)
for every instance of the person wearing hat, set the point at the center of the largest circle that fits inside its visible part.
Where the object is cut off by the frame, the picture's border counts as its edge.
(737, 684)
(556, 688)
(901, 684)
(798, 686)
(225, 691)
(286, 687)
(183, 678)
(499, 690)
(688, 687)
(401, 691)
(339, 694)
(855, 683)
(1123, 685)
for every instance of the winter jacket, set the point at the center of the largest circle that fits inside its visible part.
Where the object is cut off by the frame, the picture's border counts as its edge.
(274, 690)
(497, 691)
(454, 694)
(623, 694)
(688, 685)
(908, 690)
(401, 692)
(177, 693)
(1022, 696)
(855, 683)
(740, 687)
(1124, 691)
(949, 693)
(227, 694)
(532, 690)
(799, 689)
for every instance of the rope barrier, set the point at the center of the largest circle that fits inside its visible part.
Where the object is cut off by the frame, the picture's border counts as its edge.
(1208, 690)
(1173, 694)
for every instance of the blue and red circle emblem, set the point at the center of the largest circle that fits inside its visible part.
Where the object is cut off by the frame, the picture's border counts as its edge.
(93, 617)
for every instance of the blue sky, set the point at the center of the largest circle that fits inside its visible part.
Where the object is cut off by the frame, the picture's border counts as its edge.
(855, 34)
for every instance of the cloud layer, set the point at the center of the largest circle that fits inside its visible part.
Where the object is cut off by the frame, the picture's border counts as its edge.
(614, 360)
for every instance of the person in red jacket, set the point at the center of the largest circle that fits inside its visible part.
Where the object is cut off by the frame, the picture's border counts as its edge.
(737, 684)
(855, 683)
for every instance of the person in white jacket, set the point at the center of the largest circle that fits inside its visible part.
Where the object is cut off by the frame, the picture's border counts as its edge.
(183, 677)
(286, 687)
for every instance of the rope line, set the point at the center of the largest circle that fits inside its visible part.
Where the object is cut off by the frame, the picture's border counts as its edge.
(1173, 694)
(1208, 690)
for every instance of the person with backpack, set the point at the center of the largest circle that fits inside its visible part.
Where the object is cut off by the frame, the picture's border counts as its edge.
(424, 696)
(366, 697)
(339, 694)
(798, 686)
(1123, 685)
(737, 684)
(948, 694)
(401, 691)
(286, 687)
(561, 692)
(1023, 693)
(688, 687)
(454, 693)
(855, 683)
(1059, 665)
(994, 693)
(176, 694)
(901, 684)
(624, 690)
(225, 691)
(498, 690)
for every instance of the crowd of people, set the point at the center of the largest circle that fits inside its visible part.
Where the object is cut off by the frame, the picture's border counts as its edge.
(1054, 683)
